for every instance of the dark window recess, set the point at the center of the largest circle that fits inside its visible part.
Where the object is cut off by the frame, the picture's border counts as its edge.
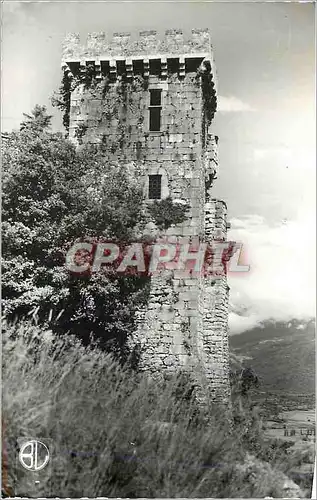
(155, 110)
(172, 65)
(155, 187)
(138, 68)
(155, 97)
(105, 67)
(121, 69)
(192, 64)
(155, 119)
(74, 67)
(155, 67)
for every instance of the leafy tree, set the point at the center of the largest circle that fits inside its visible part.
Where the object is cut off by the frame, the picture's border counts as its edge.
(38, 120)
(54, 195)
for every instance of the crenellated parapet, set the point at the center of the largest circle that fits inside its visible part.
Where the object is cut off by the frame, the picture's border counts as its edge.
(150, 57)
(146, 55)
(147, 45)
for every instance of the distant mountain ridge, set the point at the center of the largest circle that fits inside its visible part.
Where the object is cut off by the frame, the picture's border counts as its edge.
(282, 355)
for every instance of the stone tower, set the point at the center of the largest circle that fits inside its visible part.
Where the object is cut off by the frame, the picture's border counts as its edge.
(151, 101)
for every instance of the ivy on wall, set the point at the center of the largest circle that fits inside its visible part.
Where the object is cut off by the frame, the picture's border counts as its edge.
(61, 99)
(205, 77)
(121, 101)
(117, 97)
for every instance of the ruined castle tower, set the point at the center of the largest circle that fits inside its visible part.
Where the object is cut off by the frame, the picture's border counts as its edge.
(160, 120)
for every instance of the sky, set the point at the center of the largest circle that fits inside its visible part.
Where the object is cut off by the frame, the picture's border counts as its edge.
(266, 123)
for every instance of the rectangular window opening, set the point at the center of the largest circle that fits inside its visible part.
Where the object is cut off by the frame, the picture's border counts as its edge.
(155, 97)
(155, 119)
(155, 187)
(155, 110)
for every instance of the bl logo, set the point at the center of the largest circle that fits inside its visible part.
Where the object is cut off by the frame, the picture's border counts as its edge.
(34, 455)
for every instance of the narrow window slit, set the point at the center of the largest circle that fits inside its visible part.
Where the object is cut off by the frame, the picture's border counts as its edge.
(155, 110)
(155, 187)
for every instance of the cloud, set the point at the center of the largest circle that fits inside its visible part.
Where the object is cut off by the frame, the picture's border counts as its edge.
(298, 158)
(280, 285)
(232, 104)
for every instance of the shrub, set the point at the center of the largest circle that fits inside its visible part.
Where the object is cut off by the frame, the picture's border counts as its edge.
(165, 212)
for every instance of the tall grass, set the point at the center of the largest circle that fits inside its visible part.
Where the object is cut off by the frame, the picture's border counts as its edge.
(116, 433)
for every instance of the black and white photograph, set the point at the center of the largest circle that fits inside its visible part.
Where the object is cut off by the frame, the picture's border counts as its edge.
(158, 170)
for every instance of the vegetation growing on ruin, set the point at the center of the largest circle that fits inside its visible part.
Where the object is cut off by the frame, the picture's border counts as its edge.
(167, 212)
(111, 103)
(205, 78)
(124, 88)
(61, 99)
(120, 101)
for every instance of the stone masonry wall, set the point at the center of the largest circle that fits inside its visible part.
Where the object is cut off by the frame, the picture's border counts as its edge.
(185, 324)
(215, 298)
(99, 46)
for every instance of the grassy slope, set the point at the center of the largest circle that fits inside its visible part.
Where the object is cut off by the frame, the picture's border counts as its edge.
(104, 424)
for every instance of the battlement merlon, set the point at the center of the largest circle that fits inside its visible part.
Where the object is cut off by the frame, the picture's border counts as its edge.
(102, 52)
(98, 45)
